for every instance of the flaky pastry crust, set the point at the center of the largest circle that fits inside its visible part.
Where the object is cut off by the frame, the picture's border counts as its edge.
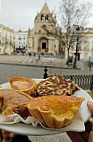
(14, 101)
(54, 111)
(23, 84)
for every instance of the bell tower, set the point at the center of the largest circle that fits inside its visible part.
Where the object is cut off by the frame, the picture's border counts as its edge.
(41, 41)
(43, 20)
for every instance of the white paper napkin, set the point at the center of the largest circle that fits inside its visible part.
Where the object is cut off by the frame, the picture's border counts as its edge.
(76, 125)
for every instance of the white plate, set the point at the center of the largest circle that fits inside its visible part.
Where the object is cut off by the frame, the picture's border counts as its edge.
(21, 128)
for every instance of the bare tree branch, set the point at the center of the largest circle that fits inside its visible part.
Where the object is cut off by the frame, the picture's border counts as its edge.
(73, 12)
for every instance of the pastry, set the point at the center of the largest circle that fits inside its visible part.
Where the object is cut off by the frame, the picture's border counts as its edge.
(56, 85)
(23, 84)
(13, 101)
(54, 111)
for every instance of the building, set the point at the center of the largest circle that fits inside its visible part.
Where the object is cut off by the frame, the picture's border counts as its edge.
(45, 36)
(21, 41)
(6, 40)
(86, 43)
(84, 40)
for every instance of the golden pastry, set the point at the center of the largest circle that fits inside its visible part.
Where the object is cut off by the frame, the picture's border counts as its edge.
(54, 111)
(13, 101)
(23, 84)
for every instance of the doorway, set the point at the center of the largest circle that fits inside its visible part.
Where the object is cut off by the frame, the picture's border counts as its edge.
(43, 45)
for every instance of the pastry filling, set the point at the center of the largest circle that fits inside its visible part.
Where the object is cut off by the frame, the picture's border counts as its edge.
(21, 85)
(55, 111)
(12, 101)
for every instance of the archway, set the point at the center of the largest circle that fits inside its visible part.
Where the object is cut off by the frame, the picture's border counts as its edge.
(43, 45)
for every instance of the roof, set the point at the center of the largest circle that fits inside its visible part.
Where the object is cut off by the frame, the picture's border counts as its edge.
(45, 9)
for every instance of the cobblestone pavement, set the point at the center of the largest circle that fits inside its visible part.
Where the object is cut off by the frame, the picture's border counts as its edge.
(31, 67)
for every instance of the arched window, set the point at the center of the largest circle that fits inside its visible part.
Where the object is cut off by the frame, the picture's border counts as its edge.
(46, 18)
(39, 31)
(43, 27)
(42, 17)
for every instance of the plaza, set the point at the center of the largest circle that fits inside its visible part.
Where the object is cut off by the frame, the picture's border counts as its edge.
(33, 68)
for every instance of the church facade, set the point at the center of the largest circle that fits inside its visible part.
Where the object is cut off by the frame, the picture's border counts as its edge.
(45, 37)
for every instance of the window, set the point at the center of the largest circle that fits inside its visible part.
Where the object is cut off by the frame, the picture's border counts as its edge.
(39, 31)
(19, 38)
(42, 17)
(46, 18)
(43, 27)
(6, 42)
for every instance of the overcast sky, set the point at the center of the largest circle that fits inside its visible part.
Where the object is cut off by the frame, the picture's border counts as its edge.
(20, 14)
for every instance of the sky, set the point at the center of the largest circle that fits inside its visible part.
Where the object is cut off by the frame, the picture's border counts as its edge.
(20, 14)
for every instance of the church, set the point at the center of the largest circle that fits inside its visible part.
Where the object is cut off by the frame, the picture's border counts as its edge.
(46, 35)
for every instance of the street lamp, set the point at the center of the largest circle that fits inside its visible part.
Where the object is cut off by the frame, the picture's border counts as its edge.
(76, 54)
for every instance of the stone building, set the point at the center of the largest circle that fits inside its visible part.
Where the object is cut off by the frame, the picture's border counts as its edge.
(45, 36)
(6, 40)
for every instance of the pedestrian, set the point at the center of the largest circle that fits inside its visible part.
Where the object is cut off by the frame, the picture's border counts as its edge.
(29, 54)
(89, 66)
(39, 57)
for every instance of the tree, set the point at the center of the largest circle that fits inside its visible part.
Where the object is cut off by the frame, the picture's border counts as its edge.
(73, 12)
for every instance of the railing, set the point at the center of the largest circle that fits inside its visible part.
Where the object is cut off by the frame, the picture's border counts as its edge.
(83, 81)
